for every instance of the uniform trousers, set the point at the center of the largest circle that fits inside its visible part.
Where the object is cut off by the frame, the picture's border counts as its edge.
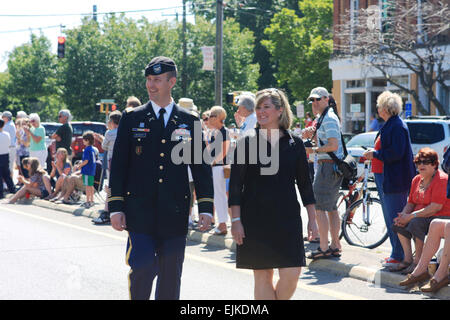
(220, 194)
(150, 256)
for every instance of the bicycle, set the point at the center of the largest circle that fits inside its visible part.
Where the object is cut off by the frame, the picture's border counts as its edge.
(363, 223)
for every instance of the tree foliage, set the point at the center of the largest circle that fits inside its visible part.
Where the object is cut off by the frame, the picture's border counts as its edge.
(394, 40)
(106, 61)
(302, 46)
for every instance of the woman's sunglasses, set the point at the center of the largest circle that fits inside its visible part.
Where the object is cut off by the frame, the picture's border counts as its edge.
(419, 162)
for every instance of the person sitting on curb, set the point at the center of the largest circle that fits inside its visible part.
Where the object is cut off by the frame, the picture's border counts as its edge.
(439, 228)
(427, 201)
(38, 185)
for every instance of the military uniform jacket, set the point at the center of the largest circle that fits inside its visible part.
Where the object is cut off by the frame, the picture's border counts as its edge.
(146, 184)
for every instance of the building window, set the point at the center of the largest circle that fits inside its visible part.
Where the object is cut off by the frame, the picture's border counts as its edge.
(355, 84)
(381, 82)
(355, 112)
(401, 80)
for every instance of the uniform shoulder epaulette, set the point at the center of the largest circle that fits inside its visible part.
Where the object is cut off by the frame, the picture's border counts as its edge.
(129, 109)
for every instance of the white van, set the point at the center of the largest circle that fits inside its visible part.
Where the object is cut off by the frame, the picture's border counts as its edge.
(429, 131)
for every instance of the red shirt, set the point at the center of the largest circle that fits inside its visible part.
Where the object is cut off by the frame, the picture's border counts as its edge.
(377, 164)
(436, 192)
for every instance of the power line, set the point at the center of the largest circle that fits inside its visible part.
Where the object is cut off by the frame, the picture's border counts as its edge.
(84, 14)
(30, 29)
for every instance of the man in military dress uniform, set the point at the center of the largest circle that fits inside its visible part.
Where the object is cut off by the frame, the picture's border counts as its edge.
(150, 193)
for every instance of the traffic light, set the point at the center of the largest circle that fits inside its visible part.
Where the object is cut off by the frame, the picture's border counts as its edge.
(113, 107)
(61, 46)
(230, 98)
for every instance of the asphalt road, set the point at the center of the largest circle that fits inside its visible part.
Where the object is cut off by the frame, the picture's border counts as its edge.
(50, 255)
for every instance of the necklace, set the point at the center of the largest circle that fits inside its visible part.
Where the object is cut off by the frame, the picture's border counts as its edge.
(422, 186)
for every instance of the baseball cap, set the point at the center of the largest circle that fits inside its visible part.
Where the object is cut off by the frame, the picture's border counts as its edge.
(318, 92)
(7, 114)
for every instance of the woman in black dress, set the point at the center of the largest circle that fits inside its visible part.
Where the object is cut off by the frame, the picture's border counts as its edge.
(266, 221)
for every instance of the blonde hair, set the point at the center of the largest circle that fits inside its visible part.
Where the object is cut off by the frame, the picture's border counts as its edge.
(63, 151)
(133, 102)
(280, 101)
(219, 112)
(391, 102)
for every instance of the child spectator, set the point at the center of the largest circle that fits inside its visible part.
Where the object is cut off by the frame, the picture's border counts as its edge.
(88, 168)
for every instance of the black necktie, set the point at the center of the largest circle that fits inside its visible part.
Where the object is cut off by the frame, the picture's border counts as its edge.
(161, 118)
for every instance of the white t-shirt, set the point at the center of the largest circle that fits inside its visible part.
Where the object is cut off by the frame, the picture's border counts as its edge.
(5, 142)
(249, 123)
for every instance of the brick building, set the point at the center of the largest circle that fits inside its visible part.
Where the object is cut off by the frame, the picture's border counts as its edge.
(356, 86)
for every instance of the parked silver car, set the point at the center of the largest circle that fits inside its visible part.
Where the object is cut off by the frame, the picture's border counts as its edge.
(357, 145)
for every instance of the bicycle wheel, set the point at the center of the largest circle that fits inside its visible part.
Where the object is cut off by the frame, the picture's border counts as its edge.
(342, 205)
(359, 233)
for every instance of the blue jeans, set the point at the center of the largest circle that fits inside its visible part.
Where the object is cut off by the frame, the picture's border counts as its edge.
(393, 203)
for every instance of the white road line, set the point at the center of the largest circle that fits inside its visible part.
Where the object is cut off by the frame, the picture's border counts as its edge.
(320, 290)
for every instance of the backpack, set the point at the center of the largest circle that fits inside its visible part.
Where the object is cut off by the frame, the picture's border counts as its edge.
(98, 178)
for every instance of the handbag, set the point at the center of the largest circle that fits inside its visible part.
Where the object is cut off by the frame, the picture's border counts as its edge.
(347, 167)
(227, 171)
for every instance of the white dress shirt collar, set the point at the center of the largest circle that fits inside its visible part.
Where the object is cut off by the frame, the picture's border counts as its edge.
(168, 109)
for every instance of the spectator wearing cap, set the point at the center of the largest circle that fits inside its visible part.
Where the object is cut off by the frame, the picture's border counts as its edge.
(150, 190)
(5, 173)
(11, 129)
(245, 115)
(63, 135)
(327, 181)
(36, 134)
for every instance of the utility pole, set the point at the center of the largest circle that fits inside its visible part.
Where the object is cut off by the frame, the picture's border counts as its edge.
(184, 63)
(219, 52)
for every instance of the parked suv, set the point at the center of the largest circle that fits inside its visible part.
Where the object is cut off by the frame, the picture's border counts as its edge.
(80, 127)
(429, 131)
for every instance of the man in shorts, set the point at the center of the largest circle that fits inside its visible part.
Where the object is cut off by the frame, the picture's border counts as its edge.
(327, 181)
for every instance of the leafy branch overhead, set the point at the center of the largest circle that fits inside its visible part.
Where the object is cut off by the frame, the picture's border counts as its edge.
(403, 37)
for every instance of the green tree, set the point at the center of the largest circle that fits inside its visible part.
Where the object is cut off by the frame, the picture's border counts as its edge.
(302, 46)
(31, 80)
(239, 73)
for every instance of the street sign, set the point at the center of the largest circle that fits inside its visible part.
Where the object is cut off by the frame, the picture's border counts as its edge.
(107, 100)
(408, 109)
(300, 110)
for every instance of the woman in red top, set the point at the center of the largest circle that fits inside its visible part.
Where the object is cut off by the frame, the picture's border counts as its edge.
(427, 201)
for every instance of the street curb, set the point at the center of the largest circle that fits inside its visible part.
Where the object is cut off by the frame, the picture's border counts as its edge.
(334, 266)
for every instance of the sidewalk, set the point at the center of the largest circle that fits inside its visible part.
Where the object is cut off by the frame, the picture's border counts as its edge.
(359, 263)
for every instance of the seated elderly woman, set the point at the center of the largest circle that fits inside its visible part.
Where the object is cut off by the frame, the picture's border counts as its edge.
(439, 228)
(427, 201)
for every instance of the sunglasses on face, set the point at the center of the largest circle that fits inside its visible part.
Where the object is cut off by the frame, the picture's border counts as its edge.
(425, 162)
(315, 99)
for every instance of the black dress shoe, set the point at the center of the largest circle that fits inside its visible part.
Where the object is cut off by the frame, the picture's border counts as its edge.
(102, 219)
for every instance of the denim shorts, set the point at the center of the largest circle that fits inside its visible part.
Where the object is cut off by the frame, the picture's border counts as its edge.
(326, 186)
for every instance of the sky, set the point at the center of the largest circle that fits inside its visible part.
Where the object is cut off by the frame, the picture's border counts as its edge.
(15, 30)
